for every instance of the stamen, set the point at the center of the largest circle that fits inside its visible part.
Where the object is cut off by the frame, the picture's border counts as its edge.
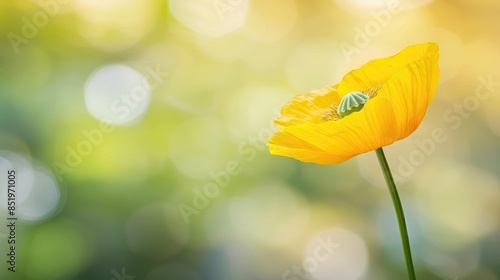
(330, 114)
(372, 91)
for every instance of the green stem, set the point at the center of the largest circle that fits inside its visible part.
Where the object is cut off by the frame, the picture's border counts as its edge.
(399, 212)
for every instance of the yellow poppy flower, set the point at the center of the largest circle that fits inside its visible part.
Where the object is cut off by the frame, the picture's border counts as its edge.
(373, 106)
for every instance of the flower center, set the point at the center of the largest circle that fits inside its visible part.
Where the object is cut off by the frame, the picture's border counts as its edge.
(352, 102)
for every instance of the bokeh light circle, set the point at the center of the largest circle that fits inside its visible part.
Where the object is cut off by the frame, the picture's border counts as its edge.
(44, 198)
(358, 7)
(114, 25)
(336, 253)
(24, 174)
(37, 192)
(259, 216)
(210, 17)
(117, 94)
(452, 264)
(451, 52)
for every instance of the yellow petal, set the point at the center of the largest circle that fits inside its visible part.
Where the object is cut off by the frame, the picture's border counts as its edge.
(336, 141)
(285, 144)
(309, 107)
(408, 80)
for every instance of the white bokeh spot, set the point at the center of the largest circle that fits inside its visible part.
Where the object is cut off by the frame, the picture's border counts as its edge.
(117, 94)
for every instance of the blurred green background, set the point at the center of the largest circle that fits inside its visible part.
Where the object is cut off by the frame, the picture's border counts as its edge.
(138, 128)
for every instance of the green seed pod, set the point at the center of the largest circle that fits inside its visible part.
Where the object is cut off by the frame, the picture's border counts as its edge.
(352, 102)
